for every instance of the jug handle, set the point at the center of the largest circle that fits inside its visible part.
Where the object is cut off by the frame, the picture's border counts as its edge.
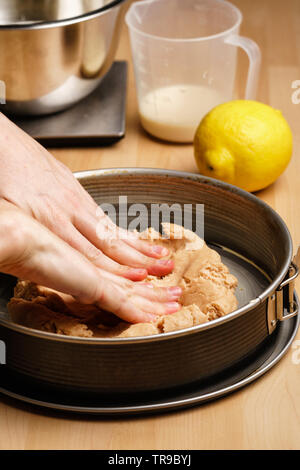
(254, 55)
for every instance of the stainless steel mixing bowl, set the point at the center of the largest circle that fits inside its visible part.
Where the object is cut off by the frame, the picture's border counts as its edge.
(53, 53)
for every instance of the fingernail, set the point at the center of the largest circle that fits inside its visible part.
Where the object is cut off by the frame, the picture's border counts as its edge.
(137, 274)
(161, 267)
(165, 262)
(139, 271)
(172, 307)
(160, 250)
(177, 291)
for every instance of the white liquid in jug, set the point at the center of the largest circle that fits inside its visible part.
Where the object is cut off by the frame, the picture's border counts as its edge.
(173, 113)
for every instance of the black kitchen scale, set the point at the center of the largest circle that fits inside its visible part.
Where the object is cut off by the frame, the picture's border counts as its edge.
(99, 119)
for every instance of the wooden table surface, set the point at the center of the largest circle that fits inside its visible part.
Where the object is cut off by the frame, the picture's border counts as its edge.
(265, 414)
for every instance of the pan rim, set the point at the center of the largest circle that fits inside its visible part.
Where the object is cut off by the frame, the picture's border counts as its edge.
(108, 172)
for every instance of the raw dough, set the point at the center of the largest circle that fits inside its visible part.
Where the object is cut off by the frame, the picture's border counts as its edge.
(208, 293)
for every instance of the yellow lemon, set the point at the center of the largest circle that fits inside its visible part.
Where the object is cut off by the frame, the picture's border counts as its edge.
(245, 143)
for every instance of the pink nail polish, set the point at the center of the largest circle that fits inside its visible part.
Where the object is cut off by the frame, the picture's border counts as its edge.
(161, 267)
(172, 307)
(165, 262)
(139, 271)
(175, 290)
(160, 250)
(137, 274)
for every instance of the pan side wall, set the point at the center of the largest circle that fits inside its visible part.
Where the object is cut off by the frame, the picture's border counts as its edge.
(135, 367)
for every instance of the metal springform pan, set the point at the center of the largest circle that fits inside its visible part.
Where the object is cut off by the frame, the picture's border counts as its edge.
(254, 243)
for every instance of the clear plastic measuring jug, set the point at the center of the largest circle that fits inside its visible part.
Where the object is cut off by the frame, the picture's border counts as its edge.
(185, 58)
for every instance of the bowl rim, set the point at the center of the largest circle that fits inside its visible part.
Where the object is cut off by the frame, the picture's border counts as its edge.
(34, 25)
(108, 172)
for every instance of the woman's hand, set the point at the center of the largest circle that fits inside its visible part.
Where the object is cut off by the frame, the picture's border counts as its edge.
(30, 251)
(32, 179)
